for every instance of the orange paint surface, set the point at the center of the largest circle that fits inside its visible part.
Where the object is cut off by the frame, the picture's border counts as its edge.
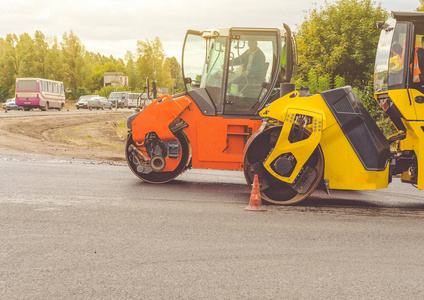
(216, 142)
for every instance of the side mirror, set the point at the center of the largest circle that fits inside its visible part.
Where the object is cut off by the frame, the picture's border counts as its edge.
(380, 24)
(383, 26)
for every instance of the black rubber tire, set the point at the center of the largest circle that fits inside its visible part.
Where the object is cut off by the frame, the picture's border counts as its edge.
(45, 107)
(279, 192)
(162, 177)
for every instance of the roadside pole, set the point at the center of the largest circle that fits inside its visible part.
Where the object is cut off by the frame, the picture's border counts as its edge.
(116, 81)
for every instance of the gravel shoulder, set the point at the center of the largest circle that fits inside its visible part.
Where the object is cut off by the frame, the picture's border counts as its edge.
(96, 136)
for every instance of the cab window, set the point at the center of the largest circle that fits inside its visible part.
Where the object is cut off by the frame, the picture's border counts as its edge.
(252, 57)
(397, 58)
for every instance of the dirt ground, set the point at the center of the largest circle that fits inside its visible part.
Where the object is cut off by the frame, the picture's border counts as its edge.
(80, 136)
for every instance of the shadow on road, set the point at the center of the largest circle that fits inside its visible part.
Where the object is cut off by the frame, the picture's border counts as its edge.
(369, 202)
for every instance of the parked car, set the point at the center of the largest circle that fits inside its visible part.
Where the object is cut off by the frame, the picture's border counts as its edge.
(133, 100)
(137, 100)
(99, 102)
(3, 105)
(10, 104)
(121, 97)
(82, 101)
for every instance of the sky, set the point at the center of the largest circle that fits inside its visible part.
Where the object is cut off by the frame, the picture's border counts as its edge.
(112, 27)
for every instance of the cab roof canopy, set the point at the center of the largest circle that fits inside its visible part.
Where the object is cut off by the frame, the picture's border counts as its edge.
(226, 31)
(408, 16)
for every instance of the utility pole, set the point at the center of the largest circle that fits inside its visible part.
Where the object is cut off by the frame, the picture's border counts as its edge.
(116, 81)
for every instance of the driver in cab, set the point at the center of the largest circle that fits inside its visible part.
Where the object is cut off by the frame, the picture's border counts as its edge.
(252, 61)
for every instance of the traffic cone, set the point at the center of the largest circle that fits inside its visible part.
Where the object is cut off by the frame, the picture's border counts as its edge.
(255, 203)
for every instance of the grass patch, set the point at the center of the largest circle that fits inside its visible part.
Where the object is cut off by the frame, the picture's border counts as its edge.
(121, 127)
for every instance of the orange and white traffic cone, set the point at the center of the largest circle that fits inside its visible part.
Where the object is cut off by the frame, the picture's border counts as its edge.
(255, 203)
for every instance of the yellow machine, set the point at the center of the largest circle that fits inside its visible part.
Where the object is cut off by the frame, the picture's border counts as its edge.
(329, 140)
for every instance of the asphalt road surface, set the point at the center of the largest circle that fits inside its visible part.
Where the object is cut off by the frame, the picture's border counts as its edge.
(74, 229)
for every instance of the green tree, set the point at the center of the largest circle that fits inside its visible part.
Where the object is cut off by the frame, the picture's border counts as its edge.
(339, 81)
(421, 7)
(313, 81)
(80, 92)
(4, 88)
(324, 83)
(41, 48)
(9, 64)
(25, 52)
(25, 56)
(11, 56)
(133, 80)
(176, 75)
(73, 59)
(54, 62)
(340, 38)
(96, 65)
(151, 63)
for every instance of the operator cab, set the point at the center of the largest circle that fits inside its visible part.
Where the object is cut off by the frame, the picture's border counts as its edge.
(399, 71)
(236, 71)
(400, 39)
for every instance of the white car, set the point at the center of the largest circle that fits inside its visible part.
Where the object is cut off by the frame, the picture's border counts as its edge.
(82, 101)
(99, 103)
(10, 105)
(138, 100)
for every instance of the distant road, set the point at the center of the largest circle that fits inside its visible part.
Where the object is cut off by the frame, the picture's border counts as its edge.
(37, 112)
(81, 229)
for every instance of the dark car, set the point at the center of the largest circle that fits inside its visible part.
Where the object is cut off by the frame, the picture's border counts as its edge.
(10, 104)
(121, 97)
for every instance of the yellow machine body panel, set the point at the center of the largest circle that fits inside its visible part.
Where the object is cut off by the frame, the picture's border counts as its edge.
(414, 141)
(418, 108)
(410, 122)
(343, 169)
(400, 99)
(301, 150)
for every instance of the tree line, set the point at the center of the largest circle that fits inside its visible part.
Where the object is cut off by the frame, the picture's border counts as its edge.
(80, 70)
